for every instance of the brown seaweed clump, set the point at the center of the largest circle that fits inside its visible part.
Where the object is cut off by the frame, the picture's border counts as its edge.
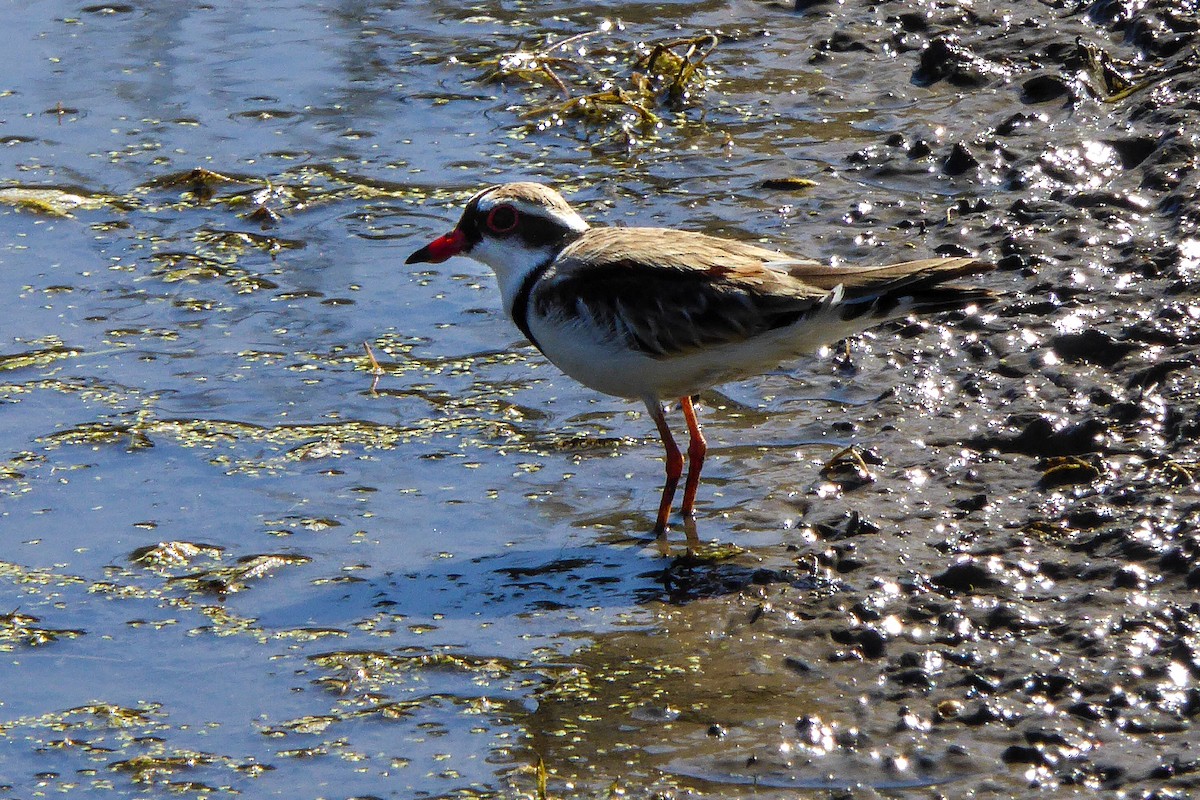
(620, 90)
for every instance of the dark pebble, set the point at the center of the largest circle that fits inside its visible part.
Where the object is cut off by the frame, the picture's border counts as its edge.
(1091, 346)
(1133, 150)
(846, 526)
(920, 149)
(914, 22)
(1130, 578)
(1044, 737)
(1154, 374)
(981, 716)
(918, 678)
(1193, 579)
(1047, 685)
(1176, 561)
(1012, 263)
(946, 58)
(1089, 518)
(870, 642)
(960, 160)
(810, 728)
(972, 503)
(846, 562)
(850, 738)
(985, 684)
(1041, 437)
(842, 42)
(1007, 616)
(1016, 122)
(1023, 754)
(1044, 88)
(798, 665)
(1102, 199)
(964, 577)
(1089, 711)
(865, 612)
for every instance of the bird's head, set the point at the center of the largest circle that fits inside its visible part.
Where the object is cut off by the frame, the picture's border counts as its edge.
(512, 227)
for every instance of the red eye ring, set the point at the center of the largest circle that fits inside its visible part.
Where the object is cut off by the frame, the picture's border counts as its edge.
(503, 219)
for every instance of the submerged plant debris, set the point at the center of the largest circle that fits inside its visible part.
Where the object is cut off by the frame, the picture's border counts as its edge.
(53, 201)
(1113, 80)
(36, 358)
(25, 630)
(617, 89)
(200, 182)
(166, 555)
(235, 577)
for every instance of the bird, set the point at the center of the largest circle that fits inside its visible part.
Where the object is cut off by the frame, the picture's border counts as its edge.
(662, 314)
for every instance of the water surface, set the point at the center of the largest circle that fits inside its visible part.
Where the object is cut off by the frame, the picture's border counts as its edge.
(231, 562)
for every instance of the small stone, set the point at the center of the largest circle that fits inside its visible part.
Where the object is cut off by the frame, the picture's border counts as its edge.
(1021, 754)
(960, 160)
(1043, 88)
(964, 577)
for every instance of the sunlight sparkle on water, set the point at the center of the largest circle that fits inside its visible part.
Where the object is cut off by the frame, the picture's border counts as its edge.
(1090, 164)
(1072, 323)
(1179, 674)
(931, 389)
(1098, 152)
(1189, 254)
(917, 477)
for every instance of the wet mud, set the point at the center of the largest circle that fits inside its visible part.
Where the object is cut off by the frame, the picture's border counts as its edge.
(1030, 619)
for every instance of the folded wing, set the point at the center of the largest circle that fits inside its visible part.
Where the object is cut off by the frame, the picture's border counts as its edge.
(667, 293)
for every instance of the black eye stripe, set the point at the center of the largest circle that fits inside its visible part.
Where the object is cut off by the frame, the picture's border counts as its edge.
(542, 232)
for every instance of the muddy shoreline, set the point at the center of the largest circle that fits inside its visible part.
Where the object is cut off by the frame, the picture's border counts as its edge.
(1030, 619)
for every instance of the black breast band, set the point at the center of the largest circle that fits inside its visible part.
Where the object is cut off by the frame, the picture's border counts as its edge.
(520, 309)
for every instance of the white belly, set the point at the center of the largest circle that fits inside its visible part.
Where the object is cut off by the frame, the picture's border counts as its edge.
(580, 351)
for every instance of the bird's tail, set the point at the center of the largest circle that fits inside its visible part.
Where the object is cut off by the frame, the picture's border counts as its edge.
(913, 287)
(904, 302)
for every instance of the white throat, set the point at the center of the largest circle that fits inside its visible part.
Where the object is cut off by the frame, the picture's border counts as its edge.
(512, 264)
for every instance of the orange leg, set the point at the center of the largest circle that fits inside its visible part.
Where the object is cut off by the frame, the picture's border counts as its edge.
(674, 466)
(697, 447)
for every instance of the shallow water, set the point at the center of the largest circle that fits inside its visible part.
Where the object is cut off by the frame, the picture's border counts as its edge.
(417, 587)
(195, 377)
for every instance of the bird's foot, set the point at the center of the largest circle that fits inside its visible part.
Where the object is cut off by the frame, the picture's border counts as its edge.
(692, 538)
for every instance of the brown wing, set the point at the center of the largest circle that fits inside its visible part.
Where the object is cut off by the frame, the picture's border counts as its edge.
(666, 292)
